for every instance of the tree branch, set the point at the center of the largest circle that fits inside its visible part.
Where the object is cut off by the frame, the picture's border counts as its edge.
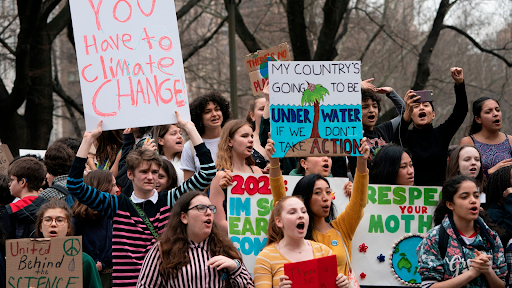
(9, 24)
(8, 47)
(477, 45)
(334, 11)
(205, 41)
(59, 22)
(48, 7)
(57, 88)
(242, 31)
(381, 27)
(186, 8)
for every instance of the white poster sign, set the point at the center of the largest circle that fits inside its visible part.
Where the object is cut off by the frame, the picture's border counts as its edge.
(130, 62)
(315, 108)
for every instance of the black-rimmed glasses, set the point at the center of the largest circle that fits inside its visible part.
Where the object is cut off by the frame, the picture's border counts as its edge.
(202, 208)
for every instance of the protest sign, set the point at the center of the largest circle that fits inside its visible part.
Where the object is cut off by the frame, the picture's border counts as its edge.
(55, 262)
(39, 153)
(315, 273)
(249, 205)
(130, 62)
(5, 158)
(315, 108)
(257, 65)
(394, 219)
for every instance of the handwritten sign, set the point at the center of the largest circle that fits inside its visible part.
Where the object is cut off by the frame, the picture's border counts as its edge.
(257, 65)
(314, 273)
(315, 108)
(392, 212)
(249, 205)
(44, 262)
(5, 158)
(130, 62)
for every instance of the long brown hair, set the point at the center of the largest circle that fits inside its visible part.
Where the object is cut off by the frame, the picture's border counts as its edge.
(452, 169)
(102, 181)
(225, 153)
(54, 203)
(252, 108)
(109, 144)
(174, 241)
(274, 232)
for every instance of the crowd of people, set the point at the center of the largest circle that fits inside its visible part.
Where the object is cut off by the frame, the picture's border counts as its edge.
(151, 207)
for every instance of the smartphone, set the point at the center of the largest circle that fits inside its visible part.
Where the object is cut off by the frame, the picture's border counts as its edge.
(426, 96)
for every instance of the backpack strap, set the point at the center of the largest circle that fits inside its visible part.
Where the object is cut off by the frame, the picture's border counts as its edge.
(145, 219)
(443, 241)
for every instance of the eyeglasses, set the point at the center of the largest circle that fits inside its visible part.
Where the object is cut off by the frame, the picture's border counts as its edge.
(47, 221)
(202, 208)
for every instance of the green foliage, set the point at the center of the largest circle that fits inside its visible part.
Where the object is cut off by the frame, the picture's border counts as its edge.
(310, 98)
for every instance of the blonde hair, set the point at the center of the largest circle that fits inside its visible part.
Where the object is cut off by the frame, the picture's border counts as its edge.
(225, 153)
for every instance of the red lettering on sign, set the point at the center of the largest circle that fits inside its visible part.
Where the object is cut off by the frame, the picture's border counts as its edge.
(85, 78)
(96, 14)
(95, 97)
(150, 12)
(114, 12)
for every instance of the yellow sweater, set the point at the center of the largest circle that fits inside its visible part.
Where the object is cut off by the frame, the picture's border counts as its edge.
(270, 264)
(346, 223)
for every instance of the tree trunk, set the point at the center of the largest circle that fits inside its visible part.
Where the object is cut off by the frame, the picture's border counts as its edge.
(314, 132)
(423, 71)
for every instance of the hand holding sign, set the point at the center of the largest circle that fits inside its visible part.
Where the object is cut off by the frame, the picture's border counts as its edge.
(315, 273)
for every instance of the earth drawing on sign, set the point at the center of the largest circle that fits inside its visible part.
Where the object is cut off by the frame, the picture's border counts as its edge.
(404, 260)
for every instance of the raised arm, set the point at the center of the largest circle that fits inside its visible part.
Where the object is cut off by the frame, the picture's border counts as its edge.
(102, 202)
(349, 219)
(460, 109)
(275, 175)
(401, 132)
(397, 101)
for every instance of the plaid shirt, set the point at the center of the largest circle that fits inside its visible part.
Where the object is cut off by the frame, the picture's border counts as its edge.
(50, 193)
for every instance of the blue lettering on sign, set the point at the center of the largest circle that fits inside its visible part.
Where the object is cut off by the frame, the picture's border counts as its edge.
(249, 245)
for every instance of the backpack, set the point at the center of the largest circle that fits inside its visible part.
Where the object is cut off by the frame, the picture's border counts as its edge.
(70, 199)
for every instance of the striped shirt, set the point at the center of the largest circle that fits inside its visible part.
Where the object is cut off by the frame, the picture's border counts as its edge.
(194, 275)
(270, 264)
(131, 238)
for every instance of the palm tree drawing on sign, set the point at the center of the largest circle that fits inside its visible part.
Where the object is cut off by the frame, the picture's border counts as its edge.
(312, 96)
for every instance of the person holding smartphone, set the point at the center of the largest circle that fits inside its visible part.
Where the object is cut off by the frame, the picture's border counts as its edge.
(427, 144)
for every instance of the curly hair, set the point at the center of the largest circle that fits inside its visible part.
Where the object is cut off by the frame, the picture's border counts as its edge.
(497, 183)
(174, 242)
(225, 153)
(198, 105)
(367, 94)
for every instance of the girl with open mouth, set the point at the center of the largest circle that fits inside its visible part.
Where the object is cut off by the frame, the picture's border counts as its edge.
(192, 251)
(54, 219)
(461, 250)
(287, 229)
(325, 225)
(484, 134)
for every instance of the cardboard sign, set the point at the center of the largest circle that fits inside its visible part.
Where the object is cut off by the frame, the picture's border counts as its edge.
(130, 62)
(257, 65)
(314, 273)
(5, 158)
(249, 205)
(55, 262)
(315, 108)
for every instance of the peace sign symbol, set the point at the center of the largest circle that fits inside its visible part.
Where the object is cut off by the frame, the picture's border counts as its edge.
(72, 247)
